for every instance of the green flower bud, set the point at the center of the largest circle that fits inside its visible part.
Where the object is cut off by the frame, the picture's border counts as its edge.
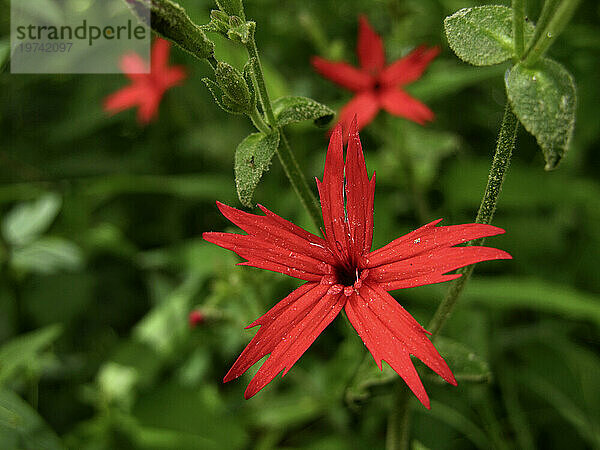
(172, 22)
(232, 8)
(234, 87)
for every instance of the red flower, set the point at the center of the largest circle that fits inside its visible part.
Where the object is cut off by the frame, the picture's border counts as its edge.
(146, 89)
(341, 272)
(195, 318)
(375, 85)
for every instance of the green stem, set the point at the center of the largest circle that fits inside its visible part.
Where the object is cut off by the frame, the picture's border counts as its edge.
(260, 79)
(258, 122)
(504, 148)
(293, 172)
(518, 11)
(284, 152)
(548, 34)
(398, 428)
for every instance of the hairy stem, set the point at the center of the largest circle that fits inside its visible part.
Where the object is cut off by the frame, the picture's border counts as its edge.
(398, 427)
(284, 151)
(548, 33)
(504, 148)
(518, 11)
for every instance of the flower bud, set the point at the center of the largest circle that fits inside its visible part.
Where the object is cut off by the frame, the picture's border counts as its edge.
(196, 318)
(236, 91)
(172, 22)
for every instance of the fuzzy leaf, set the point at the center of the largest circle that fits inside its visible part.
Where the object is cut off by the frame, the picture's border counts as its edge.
(252, 159)
(24, 351)
(464, 363)
(298, 109)
(482, 36)
(26, 221)
(544, 99)
(224, 102)
(47, 255)
(231, 7)
(21, 426)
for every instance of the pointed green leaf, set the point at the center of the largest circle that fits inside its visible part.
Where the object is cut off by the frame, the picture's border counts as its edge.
(482, 36)
(224, 103)
(544, 99)
(252, 159)
(231, 7)
(298, 109)
(27, 221)
(47, 255)
(464, 363)
(21, 427)
(24, 350)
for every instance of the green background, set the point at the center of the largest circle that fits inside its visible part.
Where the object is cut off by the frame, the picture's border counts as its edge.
(102, 258)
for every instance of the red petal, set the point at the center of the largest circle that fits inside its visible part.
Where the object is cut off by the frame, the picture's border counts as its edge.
(410, 68)
(279, 232)
(399, 103)
(134, 67)
(425, 255)
(429, 268)
(331, 193)
(364, 106)
(391, 334)
(286, 332)
(428, 238)
(160, 55)
(371, 54)
(343, 74)
(360, 192)
(124, 98)
(275, 244)
(172, 77)
(148, 109)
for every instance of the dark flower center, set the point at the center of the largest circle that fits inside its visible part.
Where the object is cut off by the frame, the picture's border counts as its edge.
(347, 276)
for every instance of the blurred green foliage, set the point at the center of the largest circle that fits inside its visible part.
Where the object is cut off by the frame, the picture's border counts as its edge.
(102, 259)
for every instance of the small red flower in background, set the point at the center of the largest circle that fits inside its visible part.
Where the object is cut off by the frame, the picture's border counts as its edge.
(195, 318)
(376, 85)
(341, 272)
(146, 89)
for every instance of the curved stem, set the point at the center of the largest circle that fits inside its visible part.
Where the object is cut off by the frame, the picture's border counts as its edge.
(504, 148)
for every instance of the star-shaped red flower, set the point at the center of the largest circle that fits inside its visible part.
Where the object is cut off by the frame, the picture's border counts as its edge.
(146, 89)
(341, 272)
(376, 85)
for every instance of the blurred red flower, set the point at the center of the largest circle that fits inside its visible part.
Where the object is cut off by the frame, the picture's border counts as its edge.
(195, 318)
(341, 272)
(376, 85)
(146, 89)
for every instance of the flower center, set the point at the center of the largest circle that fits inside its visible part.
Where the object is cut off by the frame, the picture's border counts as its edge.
(347, 276)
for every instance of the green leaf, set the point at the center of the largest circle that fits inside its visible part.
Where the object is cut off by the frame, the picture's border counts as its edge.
(231, 7)
(464, 363)
(482, 36)
(27, 221)
(24, 350)
(21, 427)
(224, 102)
(544, 99)
(298, 109)
(252, 159)
(47, 255)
